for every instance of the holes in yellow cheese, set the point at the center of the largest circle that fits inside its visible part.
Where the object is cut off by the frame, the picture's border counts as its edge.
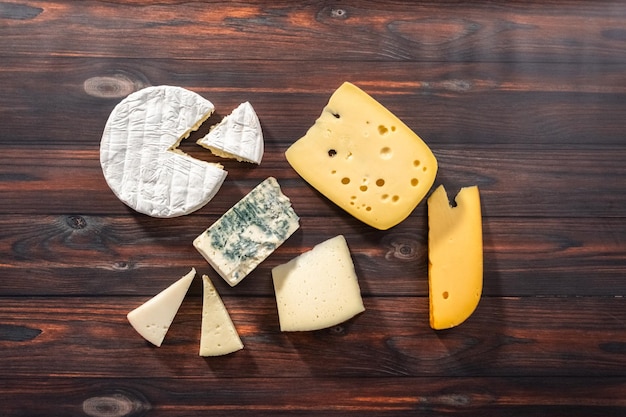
(380, 182)
(445, 295)
(414, 182)
(345, 180)
(385, 153)
(332, 152)
(383, 130)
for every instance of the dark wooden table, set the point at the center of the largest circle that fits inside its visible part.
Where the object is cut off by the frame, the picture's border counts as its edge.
(525, 99)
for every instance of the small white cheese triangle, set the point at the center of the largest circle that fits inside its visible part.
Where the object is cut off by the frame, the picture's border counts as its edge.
(237, 136)
(218, 334)
(152, 319)
(139, 156)
(317, 289)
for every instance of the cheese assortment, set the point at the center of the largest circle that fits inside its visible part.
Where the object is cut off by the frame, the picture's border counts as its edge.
(248, 232)
(152, 319)
(358, 154)
(140, 158)
(218, 333)
(364, 159)
(237, 136)
(317, 289)
(455, 256)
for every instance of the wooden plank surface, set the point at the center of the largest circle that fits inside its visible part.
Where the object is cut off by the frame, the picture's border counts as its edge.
(526, 99)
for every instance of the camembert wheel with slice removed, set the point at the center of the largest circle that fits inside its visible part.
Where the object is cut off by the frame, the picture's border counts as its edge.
(139, 155)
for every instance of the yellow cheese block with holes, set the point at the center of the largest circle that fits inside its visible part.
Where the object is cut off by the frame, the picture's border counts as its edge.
(364, 159)
(455, 256)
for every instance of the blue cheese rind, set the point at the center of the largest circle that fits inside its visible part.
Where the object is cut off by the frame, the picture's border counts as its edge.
(248, 232)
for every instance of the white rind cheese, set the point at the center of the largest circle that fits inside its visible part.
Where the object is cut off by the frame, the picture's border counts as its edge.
(317, 289)
(237, 136)
(139, 156)
(152, 319)
(248, 232)
(218, 335)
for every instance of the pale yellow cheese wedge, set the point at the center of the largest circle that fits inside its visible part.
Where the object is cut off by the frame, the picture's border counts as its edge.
(152, 319)
(317, 289)
(218, 333)
(364, 159)
(455, 256)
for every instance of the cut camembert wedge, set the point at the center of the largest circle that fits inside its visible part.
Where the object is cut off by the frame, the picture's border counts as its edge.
(238, 135)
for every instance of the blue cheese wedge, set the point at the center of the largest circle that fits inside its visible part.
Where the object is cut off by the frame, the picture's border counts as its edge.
(152, 319)
(218, 334)
(140, 158)
(237, 136)
(248, 232)
(317, 289)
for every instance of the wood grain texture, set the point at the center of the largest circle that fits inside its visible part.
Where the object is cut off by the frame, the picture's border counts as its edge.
(523, 256)
(526, 99)
(514, 336)
(427, 396)
(360, 30)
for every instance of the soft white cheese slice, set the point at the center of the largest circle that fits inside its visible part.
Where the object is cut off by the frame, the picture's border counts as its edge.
(248, 232)
(237, 136)
(218, 334)
(317, 289)
(152, 319)
(139, 155)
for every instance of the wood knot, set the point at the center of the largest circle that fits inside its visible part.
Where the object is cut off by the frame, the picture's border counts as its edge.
(13, 333)
(337, 330)
(76, 222)
(116, 404)
(121, 265)
(19, 11)
(338, 14)
(111, 86)
(403, 247)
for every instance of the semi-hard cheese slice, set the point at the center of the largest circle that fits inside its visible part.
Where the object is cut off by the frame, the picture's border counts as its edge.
(140, 159)
(248, 232)
(364, 159)
(455, 256)
(152, 319)
(237, 136)
(218, 334)
(317, 289)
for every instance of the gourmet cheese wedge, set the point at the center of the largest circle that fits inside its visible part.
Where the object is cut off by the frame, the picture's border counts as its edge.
(139, 155)
(317, 289)
(218, 334)
(248, 232)
(364, 159)
(455, 256)
(237, 136)
(152, 319)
